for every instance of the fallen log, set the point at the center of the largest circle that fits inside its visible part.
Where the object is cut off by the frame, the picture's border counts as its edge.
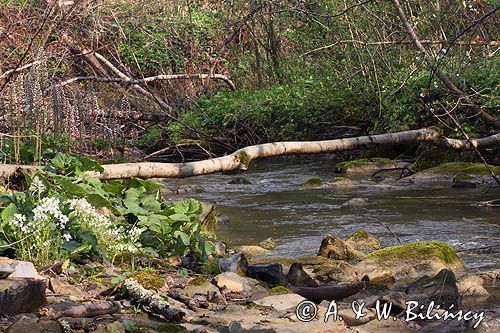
(152, 302)
(240, 159)
(490, 203)
(330, 293)
(77, 310)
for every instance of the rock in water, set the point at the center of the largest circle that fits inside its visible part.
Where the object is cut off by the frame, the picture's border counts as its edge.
(18, 295)
(272, 274)
(356, 202)
(363, 241)
(333, 247)
(298, 277)
(268, 244)
(237, 263)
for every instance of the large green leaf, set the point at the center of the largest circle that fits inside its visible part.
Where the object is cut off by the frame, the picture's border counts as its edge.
(187, 207)
(8, 212)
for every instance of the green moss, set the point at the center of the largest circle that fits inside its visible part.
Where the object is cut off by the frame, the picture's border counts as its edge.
(149, 278)
(268, 243)
(280, 290)
(430, 156)
(244, 158)
(211, 267)
(171, 328)
(464, 168)
(419, 249)
(363, 163)
(314, 181)
(198, 281)
(338, 179)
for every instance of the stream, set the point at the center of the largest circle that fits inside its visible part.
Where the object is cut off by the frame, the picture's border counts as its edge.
(274, 206)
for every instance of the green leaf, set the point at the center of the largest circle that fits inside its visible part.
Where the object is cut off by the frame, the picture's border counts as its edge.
(179, 217)
(97, 200)
(69, 187)
(147, 184)
(8, 212)
(187, 207)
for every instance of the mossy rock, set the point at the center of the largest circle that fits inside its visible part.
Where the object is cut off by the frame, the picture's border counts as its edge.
(412, 260)
(449, 173)
(312, 182)
(149, 279)
(429, 156)
(363, 241)
(366, 167)
(280, 290)
(252, 250)
(464, 169)
(268, 244)
(208, 217)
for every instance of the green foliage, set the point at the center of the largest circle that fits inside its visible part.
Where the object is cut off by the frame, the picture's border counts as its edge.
(307, 108)
(65, 213)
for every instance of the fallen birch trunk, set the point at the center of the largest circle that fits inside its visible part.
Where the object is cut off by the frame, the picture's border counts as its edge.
(152, 302)
(240, 159)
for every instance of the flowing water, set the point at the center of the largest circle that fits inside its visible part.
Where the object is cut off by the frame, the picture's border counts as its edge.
(275, 206)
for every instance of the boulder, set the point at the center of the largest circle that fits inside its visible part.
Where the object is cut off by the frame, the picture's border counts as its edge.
(466, 174)
(113, 327)
(268, 244)
(237, 263)
(233, 282)
(26, 324)
(18, 295)
(333, 247)
(472, 286)
(313, 182)
(356, 202)
(349, 317)
(442, 288)
(252, 250)
(20, 269)
(60, 287)
(335, 271)
(367, 167)
(363, 241)
(298, 277)
(281, 302)
(271, 274)
(200, 286)
(412, 260)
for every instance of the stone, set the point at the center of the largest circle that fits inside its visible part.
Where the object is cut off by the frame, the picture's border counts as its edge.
(356, 202)
(335, 271)
(237, 263)
(26, 324)
(199, 286)
(298, 277)
(349, 317)
(252, 250)
(442, 288)
(270, 273)
(21, 269)
(60, 287)
(268, 244)
(363, 241)
(385, 326)
(18, 295)
(471, 286)
(367, 167)
(380, 277)
(280, 302)
(333, 247)
(114, 327)
(233, 282)
(412, 260)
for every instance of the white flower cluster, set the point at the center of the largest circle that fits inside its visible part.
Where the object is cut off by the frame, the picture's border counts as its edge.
(48, 210)
(110, 236)
(37, 185)
(45, 212)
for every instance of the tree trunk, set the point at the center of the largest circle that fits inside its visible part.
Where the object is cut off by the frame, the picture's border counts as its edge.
(240, 159)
